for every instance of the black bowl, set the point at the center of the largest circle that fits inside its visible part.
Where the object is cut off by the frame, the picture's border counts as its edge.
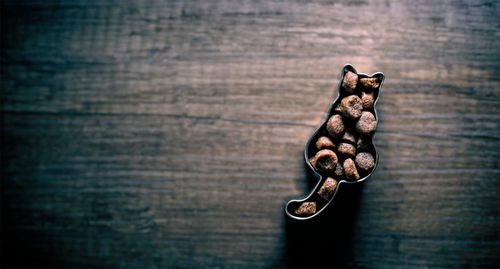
(310, 149)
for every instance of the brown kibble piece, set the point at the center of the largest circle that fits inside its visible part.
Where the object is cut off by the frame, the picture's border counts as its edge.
(351, 107)
(335, 126)
(325, 161)
(326, 191)
(339, 171)
(346, 149)
(370, 83)
(349, 138)
(367, 100)
(306, 208)
(350, 170)
(365, 161)
(366, 123)
(349, 82)
(324, 143)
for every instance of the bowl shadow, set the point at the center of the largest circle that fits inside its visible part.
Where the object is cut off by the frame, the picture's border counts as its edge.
(325, 241)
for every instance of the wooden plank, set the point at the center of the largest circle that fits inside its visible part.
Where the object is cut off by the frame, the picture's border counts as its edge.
(152, 134)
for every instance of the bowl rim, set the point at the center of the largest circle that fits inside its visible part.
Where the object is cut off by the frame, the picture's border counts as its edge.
(347, 67)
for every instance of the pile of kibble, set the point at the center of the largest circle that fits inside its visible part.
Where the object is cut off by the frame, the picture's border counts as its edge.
(342, 149)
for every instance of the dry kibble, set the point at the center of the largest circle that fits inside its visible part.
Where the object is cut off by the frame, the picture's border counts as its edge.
(351, 107)
(350, 170)
(339, 171)
(306, 208)
(326, 191)
(324, 143)
(369, 83)
(335, 126)
(349, 82)
(346, 149)
(365, 161)
(366, 123)
(325, 161)
(367, 100)
(349, 138)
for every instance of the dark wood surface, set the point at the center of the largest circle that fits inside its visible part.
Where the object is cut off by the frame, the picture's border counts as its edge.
(170, 134)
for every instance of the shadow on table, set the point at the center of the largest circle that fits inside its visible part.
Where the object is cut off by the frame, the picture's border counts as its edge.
(20, 248)
(327, 240)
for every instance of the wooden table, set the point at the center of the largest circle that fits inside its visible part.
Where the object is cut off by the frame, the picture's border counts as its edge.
(169, 134)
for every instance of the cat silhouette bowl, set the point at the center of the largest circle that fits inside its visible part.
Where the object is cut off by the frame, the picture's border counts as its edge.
(351, 141)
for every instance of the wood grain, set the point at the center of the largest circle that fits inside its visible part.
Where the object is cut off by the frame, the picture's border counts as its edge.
(169, 134)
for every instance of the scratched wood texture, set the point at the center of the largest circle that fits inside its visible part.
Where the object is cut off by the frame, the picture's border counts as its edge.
(169, 134)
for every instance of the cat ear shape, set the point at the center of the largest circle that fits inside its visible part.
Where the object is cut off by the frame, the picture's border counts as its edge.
(369, 88)
(371, 83)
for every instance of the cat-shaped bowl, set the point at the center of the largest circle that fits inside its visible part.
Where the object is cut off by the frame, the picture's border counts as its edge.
(310, 149)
